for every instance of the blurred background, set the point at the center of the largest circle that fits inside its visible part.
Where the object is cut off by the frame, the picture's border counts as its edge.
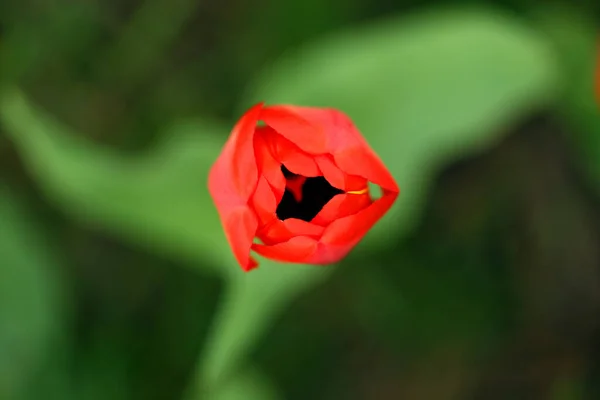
(116, 281)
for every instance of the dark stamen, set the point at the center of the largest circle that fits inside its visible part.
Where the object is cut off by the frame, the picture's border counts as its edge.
(316, 192)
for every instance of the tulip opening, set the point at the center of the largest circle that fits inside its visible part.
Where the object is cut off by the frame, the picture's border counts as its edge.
(304, 196)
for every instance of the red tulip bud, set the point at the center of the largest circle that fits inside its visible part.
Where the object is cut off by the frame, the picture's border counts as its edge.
(298, 184)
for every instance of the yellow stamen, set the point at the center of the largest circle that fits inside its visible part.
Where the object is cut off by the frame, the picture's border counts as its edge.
(362, 191)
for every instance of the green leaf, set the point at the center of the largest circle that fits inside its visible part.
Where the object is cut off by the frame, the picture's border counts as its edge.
(424, 90)
(248, 385)
(574, 37)
(146, 40)
(30, 303)
(25, 39)
(250, 304)
(159, 199)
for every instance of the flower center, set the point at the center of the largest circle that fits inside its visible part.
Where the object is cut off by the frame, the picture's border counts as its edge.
(304, 197)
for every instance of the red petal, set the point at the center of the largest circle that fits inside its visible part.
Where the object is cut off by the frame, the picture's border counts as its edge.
(336, 177)
(278, 231)
(264, 201)
(231, 181)
(364, 162)
(298, 249)
(350, 151)
(308, 136)
(268, 166)
(235, 174)
(302, 249)
(338, 238)
(240, 228)
(340, 206)
(349, 230)
(290, 155)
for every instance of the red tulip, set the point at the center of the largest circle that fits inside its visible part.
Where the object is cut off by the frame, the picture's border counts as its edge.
(298, 183)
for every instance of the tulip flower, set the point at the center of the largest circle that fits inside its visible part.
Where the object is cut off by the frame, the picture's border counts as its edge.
(292, 184)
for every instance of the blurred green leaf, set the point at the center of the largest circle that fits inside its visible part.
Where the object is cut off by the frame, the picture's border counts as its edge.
(251, 303)
(424, 90)
(248, 385)
(159, 199)
(568, 388)
(574, 37)
(30, 305)
(105, 372)
(70, 27)
(145, 41)
(470, 74)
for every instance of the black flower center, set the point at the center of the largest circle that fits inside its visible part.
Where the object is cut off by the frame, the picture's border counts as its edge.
(316, 192)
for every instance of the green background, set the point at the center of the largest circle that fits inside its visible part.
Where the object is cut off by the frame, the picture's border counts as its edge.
(116, 282)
